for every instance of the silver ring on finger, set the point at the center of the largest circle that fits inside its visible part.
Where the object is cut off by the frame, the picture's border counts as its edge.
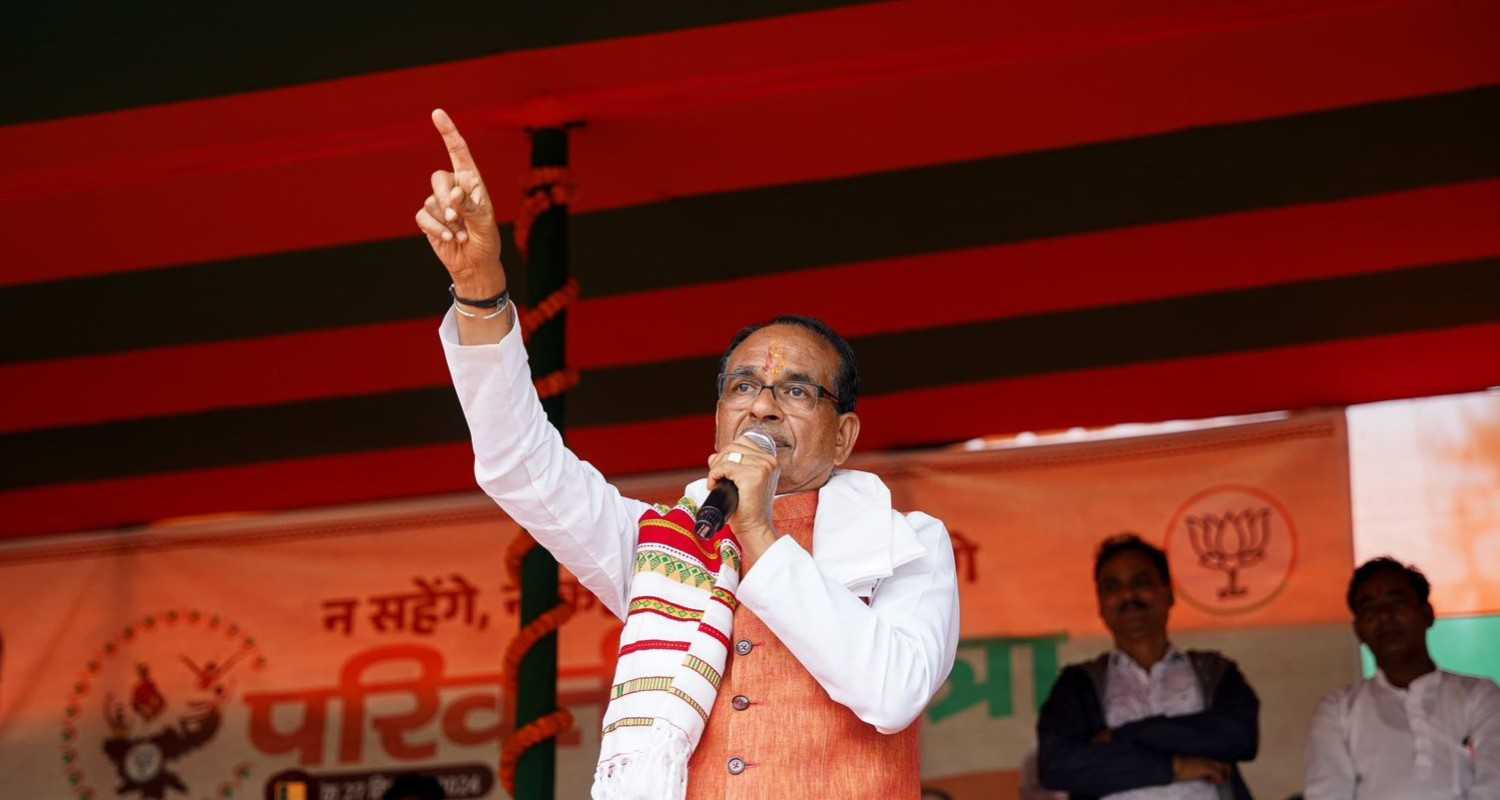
(736, 457)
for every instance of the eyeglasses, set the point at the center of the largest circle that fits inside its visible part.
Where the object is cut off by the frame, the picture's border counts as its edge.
(740, 391)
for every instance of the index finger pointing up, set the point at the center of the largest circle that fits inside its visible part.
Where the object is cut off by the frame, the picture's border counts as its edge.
(458, 149)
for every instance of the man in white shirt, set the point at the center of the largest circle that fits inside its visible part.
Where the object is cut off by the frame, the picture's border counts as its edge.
(1146, 720)
(847, 618)
(1412, 730)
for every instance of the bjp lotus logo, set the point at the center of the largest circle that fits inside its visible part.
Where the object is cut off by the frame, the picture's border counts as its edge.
(1232, 549)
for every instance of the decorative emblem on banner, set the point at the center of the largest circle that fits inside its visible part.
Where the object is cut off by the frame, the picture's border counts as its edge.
(1232, 549)
(160, 688)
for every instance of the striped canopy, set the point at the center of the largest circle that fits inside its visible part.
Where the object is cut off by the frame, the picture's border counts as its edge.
(1023, 215)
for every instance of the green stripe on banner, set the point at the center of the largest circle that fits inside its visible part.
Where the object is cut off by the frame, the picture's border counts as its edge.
(1470, 645)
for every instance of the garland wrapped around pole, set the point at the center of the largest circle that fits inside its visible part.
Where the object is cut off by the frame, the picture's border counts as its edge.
(528, 756)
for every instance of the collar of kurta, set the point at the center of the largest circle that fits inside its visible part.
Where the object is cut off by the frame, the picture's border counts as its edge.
(858, 538)
(1121, 660)
(1420, 685)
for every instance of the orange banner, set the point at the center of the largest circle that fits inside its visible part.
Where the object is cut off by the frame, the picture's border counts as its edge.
(320, 654)
(1255, 519)
(324, 653)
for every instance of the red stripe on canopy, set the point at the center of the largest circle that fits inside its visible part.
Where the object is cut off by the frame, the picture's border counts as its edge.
(855, 90)
(1332, 374)
(1114, 267)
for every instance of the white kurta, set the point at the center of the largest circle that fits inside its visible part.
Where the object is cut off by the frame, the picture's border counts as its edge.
(1438, 738)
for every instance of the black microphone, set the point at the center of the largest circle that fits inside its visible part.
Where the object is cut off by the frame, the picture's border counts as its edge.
(725, 498)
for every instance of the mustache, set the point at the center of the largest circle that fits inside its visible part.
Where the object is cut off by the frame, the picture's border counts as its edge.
(776, 435)
(1132, 605)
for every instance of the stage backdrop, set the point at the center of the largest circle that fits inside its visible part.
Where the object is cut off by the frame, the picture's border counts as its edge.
(322, 653)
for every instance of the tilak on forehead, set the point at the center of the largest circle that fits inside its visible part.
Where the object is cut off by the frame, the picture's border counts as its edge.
(775, 361)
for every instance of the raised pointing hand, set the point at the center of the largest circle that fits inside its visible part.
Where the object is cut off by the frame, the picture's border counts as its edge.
(459, 219)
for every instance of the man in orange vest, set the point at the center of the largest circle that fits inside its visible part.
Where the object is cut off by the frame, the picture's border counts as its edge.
(846, 619)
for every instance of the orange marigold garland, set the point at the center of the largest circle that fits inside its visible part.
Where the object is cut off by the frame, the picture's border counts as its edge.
(535, 732)
(551, 725)
(556, 383)
(533, 318)
(544, 188)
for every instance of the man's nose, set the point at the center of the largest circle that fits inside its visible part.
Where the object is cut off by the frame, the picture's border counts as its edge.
(765, 405)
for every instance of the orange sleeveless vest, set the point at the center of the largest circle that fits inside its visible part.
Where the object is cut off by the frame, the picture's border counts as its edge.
(774, 732)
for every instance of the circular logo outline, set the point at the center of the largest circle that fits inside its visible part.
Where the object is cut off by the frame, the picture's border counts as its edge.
(215, 624)
(1177, 587)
